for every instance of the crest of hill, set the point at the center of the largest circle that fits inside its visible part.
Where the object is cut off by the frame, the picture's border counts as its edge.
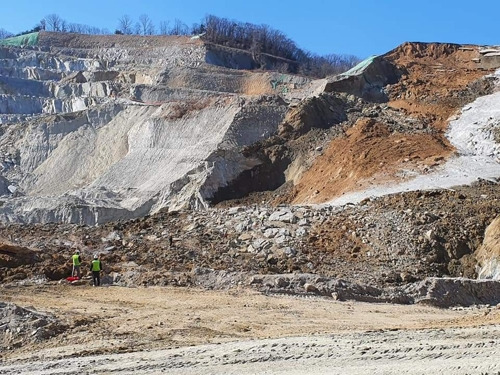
(73, 40)
(215, 54)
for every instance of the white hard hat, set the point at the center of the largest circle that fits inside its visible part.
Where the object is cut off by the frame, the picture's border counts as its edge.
(95, 256)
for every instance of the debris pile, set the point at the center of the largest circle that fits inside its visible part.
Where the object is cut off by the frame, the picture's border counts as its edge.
(19, 326)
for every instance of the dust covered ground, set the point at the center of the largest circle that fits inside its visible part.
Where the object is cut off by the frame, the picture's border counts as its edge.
(190, 331)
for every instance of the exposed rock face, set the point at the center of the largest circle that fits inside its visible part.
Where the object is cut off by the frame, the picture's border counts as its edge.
(455, 292)
(77, 149)
(366, 80)
(321, 112)
(154, 151)
(488, 254)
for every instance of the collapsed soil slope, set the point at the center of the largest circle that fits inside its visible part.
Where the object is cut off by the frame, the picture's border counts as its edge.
(435, 81)
(369, 154)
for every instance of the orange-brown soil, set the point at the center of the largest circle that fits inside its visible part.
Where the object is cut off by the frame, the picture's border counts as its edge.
(437, 75)
(368, 154)
(437, 80)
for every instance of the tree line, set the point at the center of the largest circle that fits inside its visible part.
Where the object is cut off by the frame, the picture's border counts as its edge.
(262, 39)
(257, 39)
(5, 34)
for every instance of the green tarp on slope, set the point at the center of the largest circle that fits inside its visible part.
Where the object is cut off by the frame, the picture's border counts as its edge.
(21, 40)
(358, 69)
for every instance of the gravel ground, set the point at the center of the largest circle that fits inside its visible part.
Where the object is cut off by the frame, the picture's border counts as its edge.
(444, 351)
(192, 331)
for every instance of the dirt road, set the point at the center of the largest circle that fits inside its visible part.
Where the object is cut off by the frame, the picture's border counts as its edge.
(187, 331)
(447, 351)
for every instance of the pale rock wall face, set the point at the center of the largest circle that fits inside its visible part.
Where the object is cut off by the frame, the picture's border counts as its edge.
(94, 135)
(488, 255)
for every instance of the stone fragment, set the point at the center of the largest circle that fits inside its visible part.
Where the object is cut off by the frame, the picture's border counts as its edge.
(281, 282)
(285, 216)
(261, 244)
(430, 235)
(300, 232)
(271, 232)
(303, 222)
(289, 251)
(245, 237)
(310, 288)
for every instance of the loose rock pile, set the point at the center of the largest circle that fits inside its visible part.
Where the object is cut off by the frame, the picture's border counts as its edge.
(370, 251)
(19, 326)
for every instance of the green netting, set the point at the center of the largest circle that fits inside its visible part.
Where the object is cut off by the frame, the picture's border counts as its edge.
(358, 69)
(21, 40)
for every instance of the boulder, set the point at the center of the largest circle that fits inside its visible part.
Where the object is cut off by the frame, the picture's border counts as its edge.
(310, 288)
(285, 216)
(447, 292)
(488, 255)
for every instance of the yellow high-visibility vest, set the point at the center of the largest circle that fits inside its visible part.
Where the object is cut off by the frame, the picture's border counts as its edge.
(96, 265)
(76, 260)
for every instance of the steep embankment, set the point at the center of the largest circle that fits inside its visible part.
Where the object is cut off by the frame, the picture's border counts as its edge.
(405, 137)
(112, 127)
(472, 133)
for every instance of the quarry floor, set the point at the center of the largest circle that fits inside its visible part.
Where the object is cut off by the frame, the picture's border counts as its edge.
(190, 331)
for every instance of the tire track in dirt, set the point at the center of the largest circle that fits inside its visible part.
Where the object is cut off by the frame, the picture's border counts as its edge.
(444, 351)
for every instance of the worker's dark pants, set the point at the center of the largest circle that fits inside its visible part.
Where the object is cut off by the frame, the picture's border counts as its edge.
(96, 278)
(76, 269)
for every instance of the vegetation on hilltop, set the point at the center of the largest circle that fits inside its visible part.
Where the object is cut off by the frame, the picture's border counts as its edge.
(5, 34)
(261, 39)
(257, 39)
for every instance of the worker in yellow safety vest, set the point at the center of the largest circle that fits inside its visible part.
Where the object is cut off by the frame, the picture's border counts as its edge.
(96, 268)
(77, 262)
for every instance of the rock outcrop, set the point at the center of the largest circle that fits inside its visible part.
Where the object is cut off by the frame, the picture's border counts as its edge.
(488, 255)
(118, 131)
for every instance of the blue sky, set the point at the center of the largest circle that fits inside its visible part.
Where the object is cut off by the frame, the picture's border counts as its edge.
(361, 28)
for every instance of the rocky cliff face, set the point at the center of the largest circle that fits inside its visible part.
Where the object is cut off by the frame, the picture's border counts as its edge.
(121, 129)
(101, 130)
